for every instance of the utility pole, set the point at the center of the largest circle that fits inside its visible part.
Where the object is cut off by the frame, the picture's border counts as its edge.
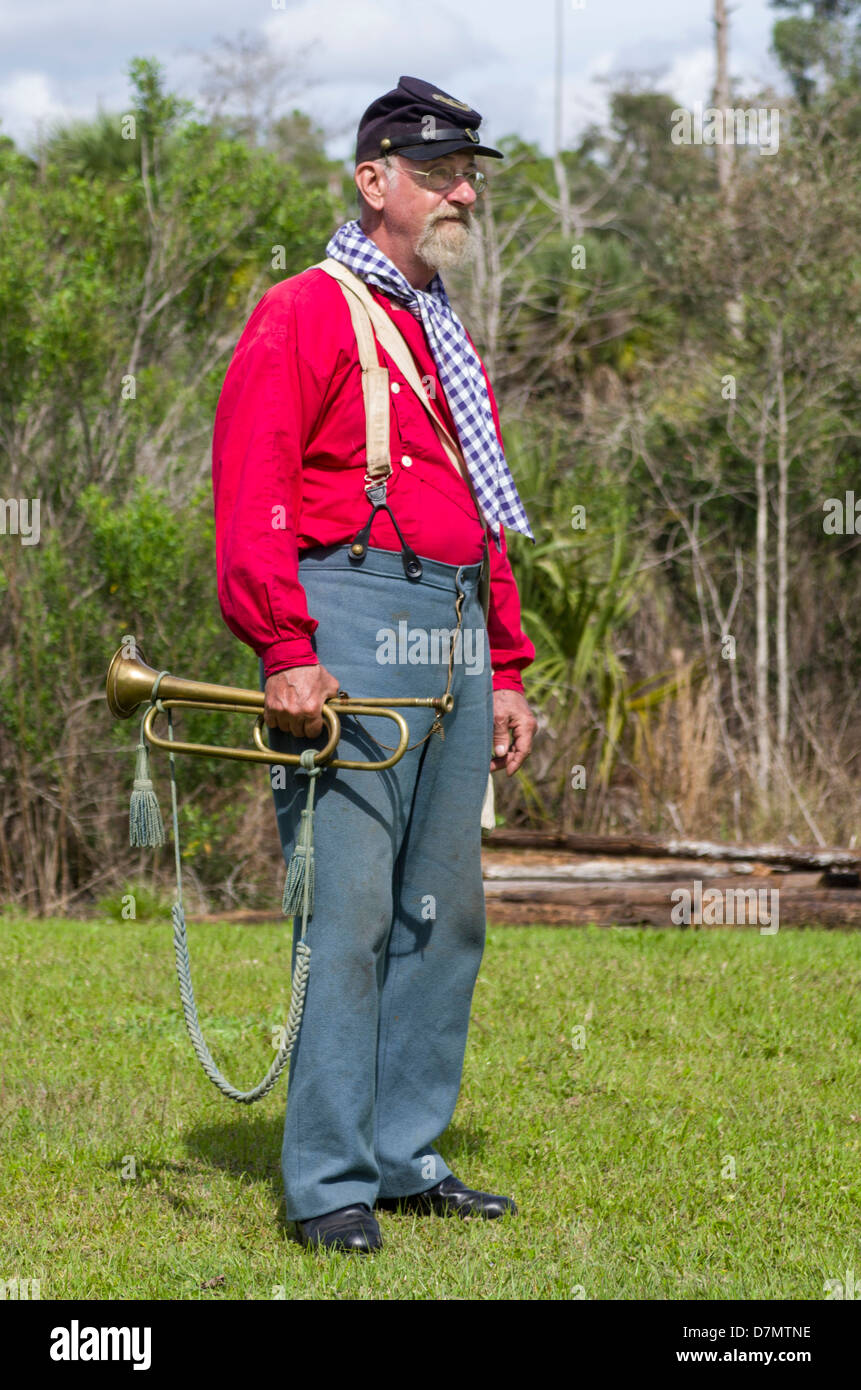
(557, 92)
(724, 148)
(724, 151)
(558, 166)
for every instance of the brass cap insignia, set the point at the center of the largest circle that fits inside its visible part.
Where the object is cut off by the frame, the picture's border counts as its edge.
(450, 101)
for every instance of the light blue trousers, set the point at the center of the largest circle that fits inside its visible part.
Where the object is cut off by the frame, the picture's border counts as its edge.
(397, 931)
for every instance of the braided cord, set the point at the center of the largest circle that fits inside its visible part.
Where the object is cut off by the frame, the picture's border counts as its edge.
(183, 967)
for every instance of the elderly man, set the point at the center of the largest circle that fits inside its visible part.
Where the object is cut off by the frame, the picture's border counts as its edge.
(379, 581)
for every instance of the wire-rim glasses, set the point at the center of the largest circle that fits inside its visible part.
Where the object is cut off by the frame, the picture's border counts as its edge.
(439, 179)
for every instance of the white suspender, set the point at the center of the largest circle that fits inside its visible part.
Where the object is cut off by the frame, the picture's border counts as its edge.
(375, 320)
(375, 380)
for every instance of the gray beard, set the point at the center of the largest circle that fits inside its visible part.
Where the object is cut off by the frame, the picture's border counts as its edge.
(447, 248)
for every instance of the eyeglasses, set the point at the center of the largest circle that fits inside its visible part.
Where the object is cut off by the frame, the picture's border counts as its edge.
(439, 179)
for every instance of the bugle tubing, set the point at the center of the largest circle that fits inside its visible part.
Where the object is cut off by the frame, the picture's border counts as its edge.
(131, 683)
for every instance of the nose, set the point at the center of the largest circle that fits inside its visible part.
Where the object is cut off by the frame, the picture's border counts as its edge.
(462, 192)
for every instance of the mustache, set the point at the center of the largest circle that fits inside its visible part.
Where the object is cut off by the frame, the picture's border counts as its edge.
(465, 218)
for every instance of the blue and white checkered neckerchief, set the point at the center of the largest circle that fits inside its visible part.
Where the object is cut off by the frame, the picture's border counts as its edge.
(459, 371)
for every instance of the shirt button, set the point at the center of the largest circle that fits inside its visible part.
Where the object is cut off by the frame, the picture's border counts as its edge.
(407, 461)
(396, 386)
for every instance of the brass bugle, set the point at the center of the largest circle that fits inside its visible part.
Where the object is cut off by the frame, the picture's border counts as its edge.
(131, 683)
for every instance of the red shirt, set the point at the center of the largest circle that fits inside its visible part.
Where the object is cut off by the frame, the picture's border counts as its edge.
(288, 466)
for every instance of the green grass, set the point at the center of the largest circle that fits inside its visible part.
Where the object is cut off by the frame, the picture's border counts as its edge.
(701, 1047)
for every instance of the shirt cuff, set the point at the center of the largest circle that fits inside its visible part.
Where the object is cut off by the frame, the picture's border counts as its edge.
(281, 656)
(508, 680)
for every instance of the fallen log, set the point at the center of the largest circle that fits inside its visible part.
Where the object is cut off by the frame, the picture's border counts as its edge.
(651, 904)
(534, 866)
(651, 846)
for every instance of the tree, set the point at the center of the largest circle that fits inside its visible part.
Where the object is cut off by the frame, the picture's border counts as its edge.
(126, 276)
(821, 45)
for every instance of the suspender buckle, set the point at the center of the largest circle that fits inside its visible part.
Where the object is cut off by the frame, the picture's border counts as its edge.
(375, 490)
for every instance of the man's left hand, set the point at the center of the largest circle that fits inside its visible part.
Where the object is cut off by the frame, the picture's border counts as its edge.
(514, 727)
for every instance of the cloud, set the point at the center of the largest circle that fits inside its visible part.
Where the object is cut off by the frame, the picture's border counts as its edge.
(690, 76)
(353, 53)
(27, 100)
(377, 38)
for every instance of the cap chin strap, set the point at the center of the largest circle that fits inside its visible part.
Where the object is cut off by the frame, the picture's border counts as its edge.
(466, 135)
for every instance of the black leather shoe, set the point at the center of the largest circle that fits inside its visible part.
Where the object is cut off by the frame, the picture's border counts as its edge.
(451, 1197)
(348, 1228)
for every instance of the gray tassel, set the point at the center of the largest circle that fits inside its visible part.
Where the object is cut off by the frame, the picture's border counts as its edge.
(146, 827)
(301, 866)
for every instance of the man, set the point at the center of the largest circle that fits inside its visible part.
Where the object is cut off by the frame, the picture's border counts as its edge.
(397, 929)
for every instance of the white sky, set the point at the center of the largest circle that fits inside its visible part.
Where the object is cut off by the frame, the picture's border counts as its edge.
(66, 58)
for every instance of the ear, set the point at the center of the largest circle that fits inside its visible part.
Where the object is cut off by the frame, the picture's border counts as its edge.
(372, 183)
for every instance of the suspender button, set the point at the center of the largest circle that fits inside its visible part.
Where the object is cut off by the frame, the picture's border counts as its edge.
(407, 461)
(396, 386)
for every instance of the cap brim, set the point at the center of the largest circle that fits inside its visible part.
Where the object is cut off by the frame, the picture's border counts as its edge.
(443, 147)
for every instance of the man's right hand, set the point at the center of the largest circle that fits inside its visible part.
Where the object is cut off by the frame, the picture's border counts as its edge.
(294, 699)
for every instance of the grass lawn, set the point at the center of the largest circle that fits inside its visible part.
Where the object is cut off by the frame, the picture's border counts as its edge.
(700, 1139)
